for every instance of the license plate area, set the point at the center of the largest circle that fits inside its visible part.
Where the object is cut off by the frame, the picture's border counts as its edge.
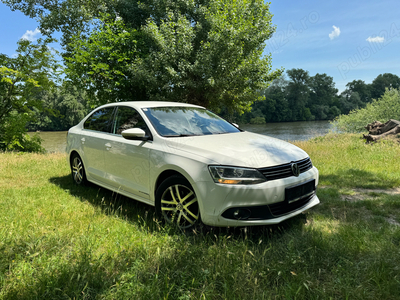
(295, 193)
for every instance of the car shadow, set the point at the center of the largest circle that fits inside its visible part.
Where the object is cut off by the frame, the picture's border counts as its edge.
(144, 215)
(110, 203)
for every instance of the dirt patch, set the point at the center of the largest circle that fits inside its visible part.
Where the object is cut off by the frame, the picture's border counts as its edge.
(395, 191)
(392, 221)
(362, 194)
(359, 194)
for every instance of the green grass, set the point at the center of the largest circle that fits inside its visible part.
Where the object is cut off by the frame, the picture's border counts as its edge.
(60, 241)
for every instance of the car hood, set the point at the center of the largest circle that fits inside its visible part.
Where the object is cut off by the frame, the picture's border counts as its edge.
(243, 149)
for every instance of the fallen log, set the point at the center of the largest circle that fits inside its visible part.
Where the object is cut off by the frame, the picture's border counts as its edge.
(377, 127)
(378, 130)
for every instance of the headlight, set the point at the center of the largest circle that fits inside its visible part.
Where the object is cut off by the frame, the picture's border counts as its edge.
(234, 175)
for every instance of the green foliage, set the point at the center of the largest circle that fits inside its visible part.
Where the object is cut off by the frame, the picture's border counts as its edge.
(33, 69)
(66, 16)
(363, 92)
(258, 120)
(14, 136)
(382, 82)
(299, 98)
(303, 97)
(62, 108)
(385, 108)
(104, 63)
(203, 53)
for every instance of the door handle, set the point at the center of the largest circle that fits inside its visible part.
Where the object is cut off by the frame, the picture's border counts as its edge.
(83, 140)
(108, 145)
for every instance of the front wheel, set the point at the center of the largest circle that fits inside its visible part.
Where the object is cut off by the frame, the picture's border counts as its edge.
(78, 170)
(176, 201)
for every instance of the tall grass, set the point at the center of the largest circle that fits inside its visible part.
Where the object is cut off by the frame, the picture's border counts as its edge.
(60, 241)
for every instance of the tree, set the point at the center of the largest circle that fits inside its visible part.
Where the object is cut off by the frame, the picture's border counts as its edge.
(383, 81)
(34, 68)
(350, 102)
(62, 108)
(276, 107)
(67, 16)
(322, 96)
(298, 93)
(360, 87)
(196, 51)
(104, 63)
(210, 55)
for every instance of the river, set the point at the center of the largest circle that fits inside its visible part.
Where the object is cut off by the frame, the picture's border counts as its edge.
(291, 131)
(56, 141)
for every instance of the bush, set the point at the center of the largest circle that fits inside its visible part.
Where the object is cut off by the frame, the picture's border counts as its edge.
(258, 120)
(385, 108)
(14, 137)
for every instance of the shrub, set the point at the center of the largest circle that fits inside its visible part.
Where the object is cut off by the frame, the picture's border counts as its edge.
(385, 108)
(14, 137)
(258, 120)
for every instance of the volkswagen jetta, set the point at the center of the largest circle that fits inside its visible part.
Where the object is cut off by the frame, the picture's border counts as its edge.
(191, 164)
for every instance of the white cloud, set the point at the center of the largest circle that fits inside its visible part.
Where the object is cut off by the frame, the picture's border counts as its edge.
(377, 39)
(335, 33)
(30, 35)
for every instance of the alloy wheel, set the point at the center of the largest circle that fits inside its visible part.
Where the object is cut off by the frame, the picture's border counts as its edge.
(179, 206)
(78, 171)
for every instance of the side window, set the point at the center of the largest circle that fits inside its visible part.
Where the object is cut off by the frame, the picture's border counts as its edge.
(100, 120)
(127, 118)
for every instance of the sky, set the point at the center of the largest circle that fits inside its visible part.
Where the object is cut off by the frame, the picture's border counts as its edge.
(348, 40)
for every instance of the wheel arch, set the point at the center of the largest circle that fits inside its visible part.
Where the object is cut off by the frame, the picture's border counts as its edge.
(171, 172)
(164, 175)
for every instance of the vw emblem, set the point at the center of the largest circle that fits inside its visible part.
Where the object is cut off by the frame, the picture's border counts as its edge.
(295, 169)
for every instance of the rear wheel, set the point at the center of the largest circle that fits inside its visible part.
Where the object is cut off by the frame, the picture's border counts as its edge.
(177, 203)
(78, 170)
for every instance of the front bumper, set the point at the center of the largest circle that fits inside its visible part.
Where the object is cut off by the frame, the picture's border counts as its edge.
(259, 204)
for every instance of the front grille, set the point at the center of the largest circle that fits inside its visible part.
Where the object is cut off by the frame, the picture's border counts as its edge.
(285, 170)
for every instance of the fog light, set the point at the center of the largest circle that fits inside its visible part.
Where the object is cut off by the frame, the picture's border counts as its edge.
(241, 214)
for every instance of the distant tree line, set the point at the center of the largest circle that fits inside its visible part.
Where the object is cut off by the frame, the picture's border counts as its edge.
(301, 97)
(297, 97)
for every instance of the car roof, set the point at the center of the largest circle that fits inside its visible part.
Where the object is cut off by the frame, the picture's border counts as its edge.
(151, 104)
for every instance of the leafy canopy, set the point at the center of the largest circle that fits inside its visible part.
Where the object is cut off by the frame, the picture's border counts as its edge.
(198, 51)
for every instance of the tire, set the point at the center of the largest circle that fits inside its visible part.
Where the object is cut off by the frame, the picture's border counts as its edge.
(177, 203)
(78, 170)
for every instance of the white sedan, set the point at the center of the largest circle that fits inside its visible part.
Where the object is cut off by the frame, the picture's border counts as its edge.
(191, 165)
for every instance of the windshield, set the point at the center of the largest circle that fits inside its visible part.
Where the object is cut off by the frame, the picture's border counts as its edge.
(187, 121)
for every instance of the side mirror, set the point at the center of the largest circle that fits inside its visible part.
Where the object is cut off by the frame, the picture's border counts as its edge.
(134, 134)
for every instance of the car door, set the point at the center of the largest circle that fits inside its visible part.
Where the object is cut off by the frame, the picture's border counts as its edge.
(95, 136)
(127, 161)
